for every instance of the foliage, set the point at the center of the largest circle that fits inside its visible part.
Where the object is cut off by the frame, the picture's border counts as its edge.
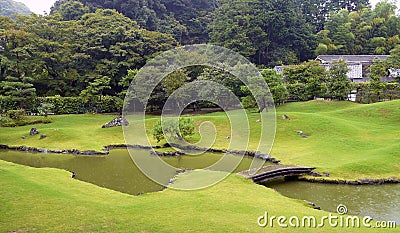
(339, 85)
(75, 105)
(364, 31)
(172, 131)
(45, 108)
(255, 28)
(305, 81)
(18, 118)
(72, 10)
(276, 86)
(19, 89)
(16, 115)
(374, 92)
(64, 57)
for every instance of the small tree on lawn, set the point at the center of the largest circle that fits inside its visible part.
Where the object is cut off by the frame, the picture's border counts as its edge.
(339, 85)
(172, 131)
(20, 89)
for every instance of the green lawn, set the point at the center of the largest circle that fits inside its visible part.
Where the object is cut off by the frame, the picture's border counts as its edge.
(346, 139)
(48, 200)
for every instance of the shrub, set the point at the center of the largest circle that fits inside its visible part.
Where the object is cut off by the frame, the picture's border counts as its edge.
(172, 132)
(4, 121)
(17, 115)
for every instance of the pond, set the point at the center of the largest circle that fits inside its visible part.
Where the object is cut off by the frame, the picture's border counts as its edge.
(381, 202)
(115, 171)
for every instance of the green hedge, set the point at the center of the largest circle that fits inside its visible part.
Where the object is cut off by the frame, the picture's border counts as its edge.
(368, 93)
(6, 104)
(67, 105)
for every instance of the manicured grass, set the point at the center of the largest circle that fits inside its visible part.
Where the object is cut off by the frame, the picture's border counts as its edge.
(48, 200)
(347, 140)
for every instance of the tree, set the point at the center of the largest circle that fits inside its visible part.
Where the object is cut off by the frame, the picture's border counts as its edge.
(393, 60)
(266, 32)
(72, 10)
(377, 71)
(97, 87)
(306, 80)
(276, 86)
(20, 89)
(339, 85)
(172, 131)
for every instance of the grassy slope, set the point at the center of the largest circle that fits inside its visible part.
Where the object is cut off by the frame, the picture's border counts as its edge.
(346, 139)
(47, 200)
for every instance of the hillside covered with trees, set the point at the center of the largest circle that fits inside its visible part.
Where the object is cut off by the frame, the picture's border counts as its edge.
(267, 32)
(10, 7)
(83, 50)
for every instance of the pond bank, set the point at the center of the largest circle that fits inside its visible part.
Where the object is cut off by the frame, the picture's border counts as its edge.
(107, 149)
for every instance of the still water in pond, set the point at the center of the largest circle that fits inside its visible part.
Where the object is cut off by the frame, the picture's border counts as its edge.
(116, 171)
(381, 202)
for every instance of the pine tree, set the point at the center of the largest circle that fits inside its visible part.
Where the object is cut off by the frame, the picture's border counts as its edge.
(20, 89)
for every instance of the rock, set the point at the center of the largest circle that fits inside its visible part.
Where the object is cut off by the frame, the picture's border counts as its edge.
(228, 137)
(119, 121)
(33, 131)
(299, 132)
(43, 136)
(313, 205)
(304, 136)
(326, 174)
(42, 150)
(315, 174)
(258, 121)
(23, 137)
(285, 117)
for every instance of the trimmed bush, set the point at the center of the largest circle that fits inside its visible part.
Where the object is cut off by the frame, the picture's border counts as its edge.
(367, 93)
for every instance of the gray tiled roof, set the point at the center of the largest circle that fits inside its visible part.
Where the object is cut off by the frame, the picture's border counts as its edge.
(351, 58)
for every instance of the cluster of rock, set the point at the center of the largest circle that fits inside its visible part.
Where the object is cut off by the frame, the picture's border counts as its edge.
(250, 153)
(119, 121)
(33, 131)
(299, 132)
(316, 174)
(44, 150)
(167, 154)
(366, 181)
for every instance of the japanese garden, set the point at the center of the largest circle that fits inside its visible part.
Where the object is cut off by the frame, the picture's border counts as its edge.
(302, 98)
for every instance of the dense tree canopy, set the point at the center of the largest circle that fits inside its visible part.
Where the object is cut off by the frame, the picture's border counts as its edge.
(63, 57)
(268, 32)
